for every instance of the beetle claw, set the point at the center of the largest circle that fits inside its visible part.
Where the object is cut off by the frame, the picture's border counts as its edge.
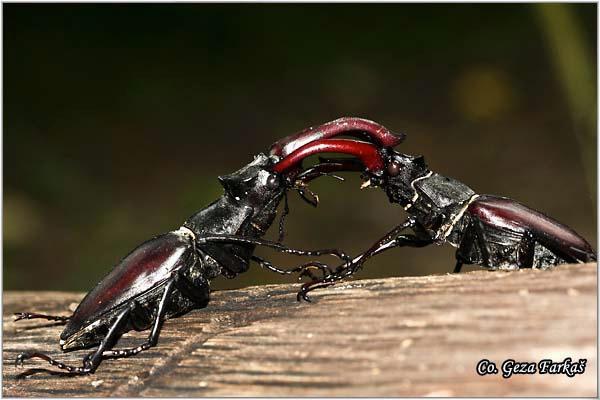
(302, 295)
(86, 369)
(19, 316)
(20, 358)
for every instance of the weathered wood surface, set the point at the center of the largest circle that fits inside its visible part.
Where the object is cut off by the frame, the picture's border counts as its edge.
(393, 337)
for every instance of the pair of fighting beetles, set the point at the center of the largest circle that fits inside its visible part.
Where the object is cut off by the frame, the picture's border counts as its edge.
(170, 274)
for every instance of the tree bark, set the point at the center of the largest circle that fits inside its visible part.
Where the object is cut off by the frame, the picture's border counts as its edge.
(411, 336)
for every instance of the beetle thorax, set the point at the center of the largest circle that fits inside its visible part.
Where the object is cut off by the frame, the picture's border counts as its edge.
(402, 173)
(248, 205)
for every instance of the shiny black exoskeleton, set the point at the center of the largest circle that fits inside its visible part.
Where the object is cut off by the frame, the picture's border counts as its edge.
(170, 274)
(491, 231)
(494, 232)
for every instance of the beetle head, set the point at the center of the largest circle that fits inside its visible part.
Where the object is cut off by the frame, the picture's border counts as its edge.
(398, 174)
(254, 184)
(260, 187)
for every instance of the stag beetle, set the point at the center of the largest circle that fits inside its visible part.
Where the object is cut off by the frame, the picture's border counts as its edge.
(494, 232)
(170, 274)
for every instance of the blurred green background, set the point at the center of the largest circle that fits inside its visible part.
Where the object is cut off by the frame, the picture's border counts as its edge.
(118, 119)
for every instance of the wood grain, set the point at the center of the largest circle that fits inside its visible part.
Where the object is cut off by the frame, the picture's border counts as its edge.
(412, 336)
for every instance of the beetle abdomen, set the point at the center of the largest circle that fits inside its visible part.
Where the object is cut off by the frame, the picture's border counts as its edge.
(143, 269)
(504, 213)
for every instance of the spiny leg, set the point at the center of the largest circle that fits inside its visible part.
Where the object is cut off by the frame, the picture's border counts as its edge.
(309, 287)
(304, 269)
(457, 267)
(399, 241)
(276, 246)
(92, 360)
(390, 240)
(25, 315)
(34, 354)
(154, 333)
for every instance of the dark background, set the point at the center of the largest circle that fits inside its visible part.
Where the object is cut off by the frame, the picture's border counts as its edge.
(118, 119)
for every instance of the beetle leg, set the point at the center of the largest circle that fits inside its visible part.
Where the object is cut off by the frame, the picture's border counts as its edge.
(34, 354)
(276, 246)
(309, 287)
(25, 315)
(303, 269)
(92, 360)
(457, 267)
(403, 240)
(390, 240)
(152, 337)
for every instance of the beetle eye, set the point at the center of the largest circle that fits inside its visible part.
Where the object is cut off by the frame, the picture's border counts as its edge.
(393, 168)
(273, 181)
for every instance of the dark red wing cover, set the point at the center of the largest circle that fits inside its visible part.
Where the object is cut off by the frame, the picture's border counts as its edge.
(149, 264)
(509, 214)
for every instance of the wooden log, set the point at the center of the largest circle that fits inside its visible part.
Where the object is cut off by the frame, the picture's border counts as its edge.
(412, 336)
